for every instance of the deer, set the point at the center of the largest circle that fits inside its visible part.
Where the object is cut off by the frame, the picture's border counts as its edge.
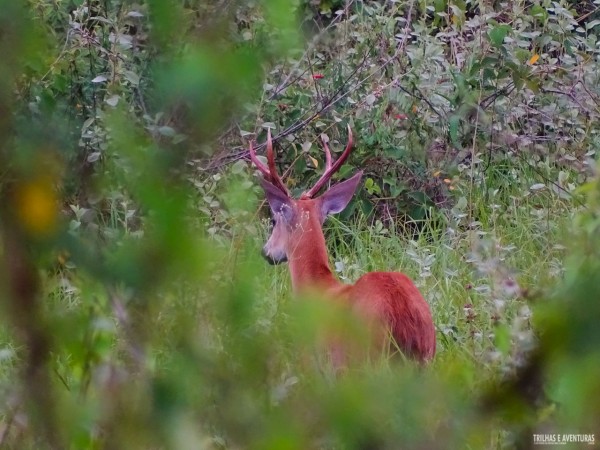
(389, 302)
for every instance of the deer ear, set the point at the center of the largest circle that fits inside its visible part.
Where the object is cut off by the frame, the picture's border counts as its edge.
(280, 203)
(337, 198)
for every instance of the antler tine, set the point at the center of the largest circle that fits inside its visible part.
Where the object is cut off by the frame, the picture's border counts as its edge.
(275, 178)
(257, 162)
(270, 172)
(334, 168)
(327, 155)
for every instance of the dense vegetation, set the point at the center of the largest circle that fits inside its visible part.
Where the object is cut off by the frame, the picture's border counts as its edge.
(136, 310)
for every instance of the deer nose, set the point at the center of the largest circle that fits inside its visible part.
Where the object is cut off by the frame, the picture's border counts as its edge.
(271, 260)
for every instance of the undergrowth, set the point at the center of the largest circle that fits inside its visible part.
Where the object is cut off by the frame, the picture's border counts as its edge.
(137, 311)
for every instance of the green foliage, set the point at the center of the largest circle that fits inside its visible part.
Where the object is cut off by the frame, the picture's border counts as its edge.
(136, 312)
(429, 95)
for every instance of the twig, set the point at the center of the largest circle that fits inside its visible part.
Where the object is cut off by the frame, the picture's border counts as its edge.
(288, 81)
(421, 97)
(505, 91)
(339, 94)
(567, 94)
(586, 15)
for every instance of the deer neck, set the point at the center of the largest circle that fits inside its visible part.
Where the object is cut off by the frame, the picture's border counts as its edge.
(307, 254)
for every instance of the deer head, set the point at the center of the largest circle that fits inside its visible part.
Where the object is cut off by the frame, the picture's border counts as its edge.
(297, 222)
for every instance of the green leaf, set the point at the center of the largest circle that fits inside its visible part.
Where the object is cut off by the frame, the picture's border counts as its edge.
(132, 77)
(533, 84)
(390, 180)
(453, 124)
(372, 187)
(497, 35)
(592, 24)
(239, 166)
(366, 207)
(441, 5)
(518, 80)
(539, 13)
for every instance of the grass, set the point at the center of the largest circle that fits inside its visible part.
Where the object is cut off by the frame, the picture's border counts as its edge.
(232, 331)
(228, 336)
(490, 263)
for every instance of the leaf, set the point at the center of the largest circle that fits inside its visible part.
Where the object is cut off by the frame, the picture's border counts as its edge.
(113, 100)
(592, 24)
(372, 187)
(262, 159)
(534, 85)
(461, 204)
(123, 40)
(93, 157)
(395, 191)
(100, 79)
(132, 77)
(390, 181)
(268, 125)
(306, 145)
(497, 35)
(458, 14)
(569, 47)
(87, 123)
(533, 59)
(100, 19)
(239, 166)
(179, 138)
(539, 12)
(166, 131)
(314, 161)
(518, 79)
(537, 187)
(420, 197)
(370, 99)
(366, 207)
(453, 123)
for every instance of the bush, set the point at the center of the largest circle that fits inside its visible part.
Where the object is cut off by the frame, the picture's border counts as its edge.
(136, 312)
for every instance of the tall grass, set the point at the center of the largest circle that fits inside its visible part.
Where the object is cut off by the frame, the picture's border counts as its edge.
(226, 344)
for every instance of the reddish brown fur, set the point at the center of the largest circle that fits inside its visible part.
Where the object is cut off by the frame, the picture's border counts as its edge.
(390, 298)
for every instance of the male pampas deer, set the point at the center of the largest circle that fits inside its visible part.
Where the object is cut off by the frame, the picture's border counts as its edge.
(389, 302)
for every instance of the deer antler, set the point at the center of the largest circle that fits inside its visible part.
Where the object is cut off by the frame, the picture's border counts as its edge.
(329, 168)
(270, 173)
